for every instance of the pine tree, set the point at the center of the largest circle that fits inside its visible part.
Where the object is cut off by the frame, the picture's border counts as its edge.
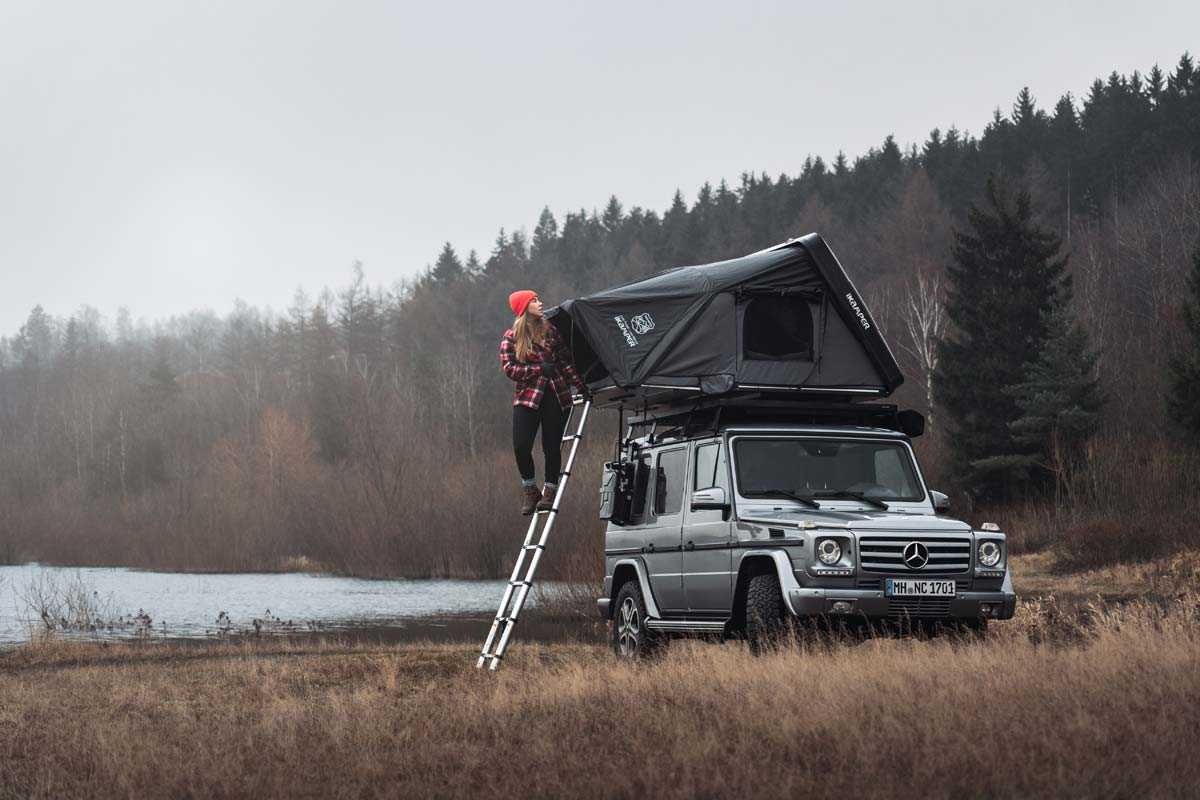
(473, 268)
(545, 236)
(448, 268)
(1184, 400)
(1006, 280)
(613, 214)
(1060, 403)
(676, 247)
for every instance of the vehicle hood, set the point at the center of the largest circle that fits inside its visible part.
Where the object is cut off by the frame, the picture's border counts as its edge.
(860, 520)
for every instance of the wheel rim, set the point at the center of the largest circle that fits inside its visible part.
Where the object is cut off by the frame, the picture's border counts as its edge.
(629, 627)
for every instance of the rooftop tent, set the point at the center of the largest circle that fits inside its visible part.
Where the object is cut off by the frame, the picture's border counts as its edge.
(785, 321)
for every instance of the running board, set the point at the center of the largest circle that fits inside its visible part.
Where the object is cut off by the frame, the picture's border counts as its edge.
(686, 625)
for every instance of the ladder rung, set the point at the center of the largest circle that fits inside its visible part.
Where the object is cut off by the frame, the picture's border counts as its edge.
(512, 602)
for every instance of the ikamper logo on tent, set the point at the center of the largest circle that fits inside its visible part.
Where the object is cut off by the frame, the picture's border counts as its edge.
(862, 318)
(642, 324)
(630, 339)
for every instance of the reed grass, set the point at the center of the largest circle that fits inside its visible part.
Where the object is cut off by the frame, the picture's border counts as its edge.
(1088, 699)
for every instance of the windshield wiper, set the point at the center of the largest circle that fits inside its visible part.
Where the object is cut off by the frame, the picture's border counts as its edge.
(875, 501)
(808, 501)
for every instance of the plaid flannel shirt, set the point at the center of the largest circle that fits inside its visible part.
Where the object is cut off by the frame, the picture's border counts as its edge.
(531, 385)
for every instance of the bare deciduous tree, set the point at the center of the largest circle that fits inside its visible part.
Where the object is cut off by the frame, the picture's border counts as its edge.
(924, 315)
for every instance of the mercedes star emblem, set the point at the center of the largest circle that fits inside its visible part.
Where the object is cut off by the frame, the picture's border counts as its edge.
(916, 555)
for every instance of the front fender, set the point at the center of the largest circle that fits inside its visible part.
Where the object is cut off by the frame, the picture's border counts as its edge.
(783, 568)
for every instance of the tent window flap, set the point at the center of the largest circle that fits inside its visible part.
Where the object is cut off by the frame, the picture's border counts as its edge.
(778, 328)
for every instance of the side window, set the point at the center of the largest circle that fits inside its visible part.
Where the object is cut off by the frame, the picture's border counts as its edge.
(706, 466)
(668, 486)
(641, 482)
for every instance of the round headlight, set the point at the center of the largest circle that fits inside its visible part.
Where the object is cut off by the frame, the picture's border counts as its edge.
(829, 551)
(989, 553)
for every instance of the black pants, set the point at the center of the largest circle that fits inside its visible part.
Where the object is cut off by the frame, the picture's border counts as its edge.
(526, 420)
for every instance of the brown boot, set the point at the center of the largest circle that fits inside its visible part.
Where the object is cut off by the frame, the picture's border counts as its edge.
(547, 501)
(529, 499)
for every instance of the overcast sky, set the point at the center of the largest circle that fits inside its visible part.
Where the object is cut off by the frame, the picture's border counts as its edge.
(168, 156)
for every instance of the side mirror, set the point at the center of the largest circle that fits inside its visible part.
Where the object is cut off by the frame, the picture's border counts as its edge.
(710, 499)
(941, 503)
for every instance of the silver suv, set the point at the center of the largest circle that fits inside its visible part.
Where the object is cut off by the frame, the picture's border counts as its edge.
(733, 531)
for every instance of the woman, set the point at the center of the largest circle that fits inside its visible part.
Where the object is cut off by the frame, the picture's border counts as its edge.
(533, 355)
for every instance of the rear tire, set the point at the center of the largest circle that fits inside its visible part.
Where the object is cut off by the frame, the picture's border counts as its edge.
(766, 621)
(631, 639)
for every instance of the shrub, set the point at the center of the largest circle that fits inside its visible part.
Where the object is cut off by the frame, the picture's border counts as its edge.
(1103, 542)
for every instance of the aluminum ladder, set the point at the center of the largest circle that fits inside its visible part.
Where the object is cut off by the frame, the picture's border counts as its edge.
(518, 586)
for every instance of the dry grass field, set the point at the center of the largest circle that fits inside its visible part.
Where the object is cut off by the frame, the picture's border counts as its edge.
(1085, 698)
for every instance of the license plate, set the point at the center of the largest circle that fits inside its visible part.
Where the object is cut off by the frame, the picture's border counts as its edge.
(901, 587)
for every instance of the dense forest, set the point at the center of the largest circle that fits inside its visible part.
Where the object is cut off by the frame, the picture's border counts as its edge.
(366, 429)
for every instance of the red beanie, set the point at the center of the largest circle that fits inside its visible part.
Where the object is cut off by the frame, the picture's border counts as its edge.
(520, 300)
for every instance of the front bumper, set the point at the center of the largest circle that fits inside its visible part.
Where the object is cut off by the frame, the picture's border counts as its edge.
(874, 604)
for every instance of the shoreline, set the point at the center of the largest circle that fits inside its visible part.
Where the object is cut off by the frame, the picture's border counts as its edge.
(448, 629)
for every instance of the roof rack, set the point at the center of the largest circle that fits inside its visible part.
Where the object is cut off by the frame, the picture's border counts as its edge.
(711, 414)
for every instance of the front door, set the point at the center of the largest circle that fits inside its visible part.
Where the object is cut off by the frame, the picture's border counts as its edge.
(663, 528)
(707, 559)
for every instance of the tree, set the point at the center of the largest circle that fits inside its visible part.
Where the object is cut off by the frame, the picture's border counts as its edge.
(545, 237)
(161, 387)
(613, 215)
(1060, 403)
(448, 268)
(924, 318)
(34, 344)
(1006, 280)
(1184, 400)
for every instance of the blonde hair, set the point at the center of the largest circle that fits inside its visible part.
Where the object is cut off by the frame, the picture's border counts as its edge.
(528, 331)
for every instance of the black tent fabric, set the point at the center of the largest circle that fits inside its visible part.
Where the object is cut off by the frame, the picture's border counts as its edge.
(785, 320)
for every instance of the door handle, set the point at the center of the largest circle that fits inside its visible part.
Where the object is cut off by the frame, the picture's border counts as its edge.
(648, 548)
(689, 546)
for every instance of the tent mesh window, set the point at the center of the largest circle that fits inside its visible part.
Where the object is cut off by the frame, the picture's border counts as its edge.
(778, 328)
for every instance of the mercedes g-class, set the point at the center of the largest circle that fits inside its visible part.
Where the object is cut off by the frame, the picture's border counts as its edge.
(735, 529)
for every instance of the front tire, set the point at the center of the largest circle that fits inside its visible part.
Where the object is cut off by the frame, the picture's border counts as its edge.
(631, 639)
(766, 619)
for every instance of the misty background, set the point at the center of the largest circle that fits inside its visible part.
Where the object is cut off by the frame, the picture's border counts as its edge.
(168, 156)
(410, 171)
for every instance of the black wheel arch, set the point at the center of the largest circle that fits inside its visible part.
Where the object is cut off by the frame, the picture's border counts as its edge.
(624, 573)
(750, 566)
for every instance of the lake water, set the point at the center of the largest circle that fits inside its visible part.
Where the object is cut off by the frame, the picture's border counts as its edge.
(197, 605)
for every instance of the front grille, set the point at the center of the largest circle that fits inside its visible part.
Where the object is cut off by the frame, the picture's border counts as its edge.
(885, 554)
(901, 607)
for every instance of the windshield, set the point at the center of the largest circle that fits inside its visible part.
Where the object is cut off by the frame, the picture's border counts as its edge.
(826, 469)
